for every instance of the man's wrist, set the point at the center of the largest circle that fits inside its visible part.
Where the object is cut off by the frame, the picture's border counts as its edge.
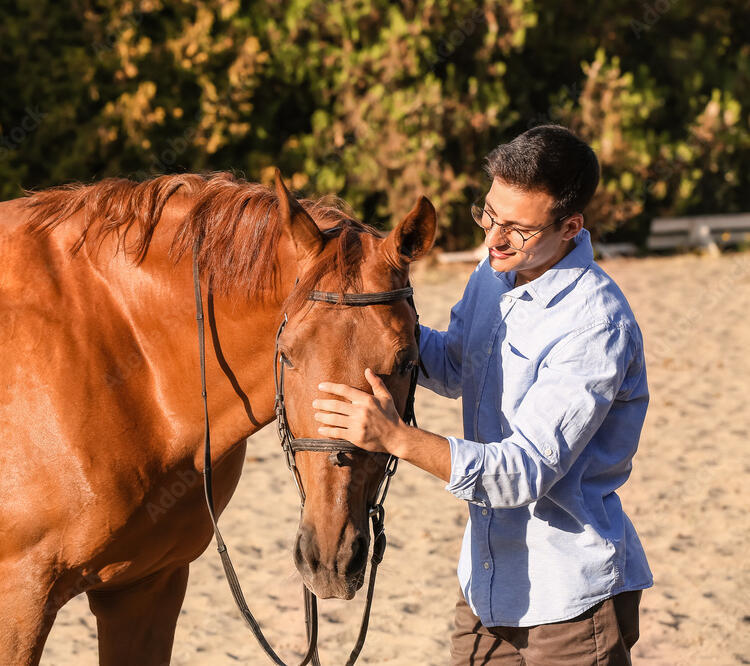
(426, 450)
(398, 444)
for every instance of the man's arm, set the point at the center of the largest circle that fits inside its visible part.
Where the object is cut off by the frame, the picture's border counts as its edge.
(573, 393)
(371, 422)
(424, 449)
(441, 352)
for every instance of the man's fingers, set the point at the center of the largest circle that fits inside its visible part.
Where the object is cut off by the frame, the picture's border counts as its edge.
(348, 392)
(332, 419)
(333, 433)
(337, 406)
(379, 388)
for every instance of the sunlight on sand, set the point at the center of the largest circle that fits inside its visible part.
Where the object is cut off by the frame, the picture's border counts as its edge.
(687, 498)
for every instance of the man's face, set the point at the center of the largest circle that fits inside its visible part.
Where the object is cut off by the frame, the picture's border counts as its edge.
(528, 212)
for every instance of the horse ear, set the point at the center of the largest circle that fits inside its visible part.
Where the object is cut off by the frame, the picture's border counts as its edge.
(297, 223)
(414, 235)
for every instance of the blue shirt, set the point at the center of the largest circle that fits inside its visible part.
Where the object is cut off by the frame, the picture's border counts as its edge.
(553, 381)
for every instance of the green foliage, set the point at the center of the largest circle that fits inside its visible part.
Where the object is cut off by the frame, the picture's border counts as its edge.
(379, 101)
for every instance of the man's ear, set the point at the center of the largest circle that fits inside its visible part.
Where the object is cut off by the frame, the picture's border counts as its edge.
(414, 235)
(573, 225)
(297, 224)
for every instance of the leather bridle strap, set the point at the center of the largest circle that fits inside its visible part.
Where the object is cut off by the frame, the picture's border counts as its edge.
(290, 446)
(375, 298)
(311, 614)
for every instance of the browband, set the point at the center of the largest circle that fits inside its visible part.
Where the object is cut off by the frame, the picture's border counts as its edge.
(377, 298)
(329, 445)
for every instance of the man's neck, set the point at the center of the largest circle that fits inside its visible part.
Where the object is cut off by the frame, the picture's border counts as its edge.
(524, 277)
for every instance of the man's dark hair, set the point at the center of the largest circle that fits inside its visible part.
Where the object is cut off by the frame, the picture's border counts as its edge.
(552, 159)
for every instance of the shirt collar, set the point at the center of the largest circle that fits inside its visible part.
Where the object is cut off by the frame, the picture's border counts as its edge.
(557, 278)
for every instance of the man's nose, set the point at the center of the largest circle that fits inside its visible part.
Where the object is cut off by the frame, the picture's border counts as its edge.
(495, 238)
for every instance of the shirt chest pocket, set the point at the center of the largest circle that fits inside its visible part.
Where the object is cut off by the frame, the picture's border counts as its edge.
(519, 370)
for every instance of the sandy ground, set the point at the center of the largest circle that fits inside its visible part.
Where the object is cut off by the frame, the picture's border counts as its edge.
(687, 498)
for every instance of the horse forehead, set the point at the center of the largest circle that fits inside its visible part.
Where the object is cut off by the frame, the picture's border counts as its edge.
(373, 258)
(385, 323)
(358, 329)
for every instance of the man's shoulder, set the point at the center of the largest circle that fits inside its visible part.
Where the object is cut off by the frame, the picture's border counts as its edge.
(597, 298)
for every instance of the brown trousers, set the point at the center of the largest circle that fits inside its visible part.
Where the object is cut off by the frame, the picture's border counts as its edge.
(601, 636)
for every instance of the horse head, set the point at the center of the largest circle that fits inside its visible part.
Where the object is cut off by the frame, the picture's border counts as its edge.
(335, 342)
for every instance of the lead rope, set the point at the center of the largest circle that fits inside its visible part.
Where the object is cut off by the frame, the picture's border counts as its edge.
(311, 611)
(377, 512)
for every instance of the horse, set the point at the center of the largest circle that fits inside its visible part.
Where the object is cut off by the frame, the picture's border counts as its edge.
(100, 399)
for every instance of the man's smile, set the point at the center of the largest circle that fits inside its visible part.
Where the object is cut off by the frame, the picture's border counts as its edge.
(501, 254)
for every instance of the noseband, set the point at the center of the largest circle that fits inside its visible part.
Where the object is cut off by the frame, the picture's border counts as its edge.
(290, 445)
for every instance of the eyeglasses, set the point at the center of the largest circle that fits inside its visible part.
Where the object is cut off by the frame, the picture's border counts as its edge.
(510, 234)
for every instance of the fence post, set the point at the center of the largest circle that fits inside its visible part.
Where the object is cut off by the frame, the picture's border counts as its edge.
(700, 236)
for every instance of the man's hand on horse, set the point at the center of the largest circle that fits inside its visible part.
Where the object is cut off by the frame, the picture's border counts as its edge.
(368, 420)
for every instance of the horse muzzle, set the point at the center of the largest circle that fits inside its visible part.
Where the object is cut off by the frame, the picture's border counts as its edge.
(337, 571)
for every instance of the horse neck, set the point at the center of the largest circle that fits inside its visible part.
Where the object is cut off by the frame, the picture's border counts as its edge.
(239, 335)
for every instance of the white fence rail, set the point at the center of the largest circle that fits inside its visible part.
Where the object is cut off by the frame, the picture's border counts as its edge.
(708, 232)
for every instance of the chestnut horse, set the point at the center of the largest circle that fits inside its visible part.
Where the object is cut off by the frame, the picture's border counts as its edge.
(100, 398)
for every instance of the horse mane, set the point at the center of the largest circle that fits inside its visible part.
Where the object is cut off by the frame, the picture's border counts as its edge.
(234, 224)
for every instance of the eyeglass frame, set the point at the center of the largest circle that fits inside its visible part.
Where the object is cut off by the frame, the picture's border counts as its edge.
(502, 225)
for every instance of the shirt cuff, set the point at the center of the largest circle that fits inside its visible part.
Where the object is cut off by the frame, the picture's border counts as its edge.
(467, 461)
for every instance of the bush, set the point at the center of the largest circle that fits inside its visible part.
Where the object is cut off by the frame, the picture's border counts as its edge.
(378, 101)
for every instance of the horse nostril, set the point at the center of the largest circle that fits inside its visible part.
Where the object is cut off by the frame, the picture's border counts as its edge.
(306, 550)
(359, 556)
(298, 559)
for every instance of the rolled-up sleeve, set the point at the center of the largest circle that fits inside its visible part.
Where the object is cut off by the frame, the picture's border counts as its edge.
(574, 391)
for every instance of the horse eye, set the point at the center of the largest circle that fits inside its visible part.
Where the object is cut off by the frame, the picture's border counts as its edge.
(406, 367)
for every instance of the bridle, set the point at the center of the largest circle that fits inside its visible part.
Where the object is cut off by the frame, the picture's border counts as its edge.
(291, 445)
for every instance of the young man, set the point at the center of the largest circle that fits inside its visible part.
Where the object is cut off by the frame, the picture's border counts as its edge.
(548, 358)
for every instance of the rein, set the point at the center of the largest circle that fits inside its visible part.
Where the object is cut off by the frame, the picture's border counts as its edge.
(290, 445)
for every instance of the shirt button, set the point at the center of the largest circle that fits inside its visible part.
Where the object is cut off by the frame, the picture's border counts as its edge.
(486, 565)
(484, 512)
(548, 451)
